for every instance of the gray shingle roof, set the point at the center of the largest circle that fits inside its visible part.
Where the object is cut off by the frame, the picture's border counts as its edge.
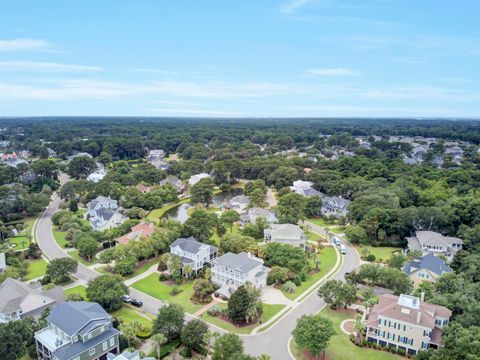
(191, 245)
(70, 351)
(71, 317)
(430, 262)
(16, 295)
(241, 262)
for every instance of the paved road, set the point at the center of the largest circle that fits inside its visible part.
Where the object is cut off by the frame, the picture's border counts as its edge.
(273, 342)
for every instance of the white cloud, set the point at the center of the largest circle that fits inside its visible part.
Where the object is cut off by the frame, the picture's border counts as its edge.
(292, 5)
(45, 66)
(334, 72)
(24, 45)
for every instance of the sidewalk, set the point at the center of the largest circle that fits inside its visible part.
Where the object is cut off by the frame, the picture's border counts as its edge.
(152, 269)
(206, 307)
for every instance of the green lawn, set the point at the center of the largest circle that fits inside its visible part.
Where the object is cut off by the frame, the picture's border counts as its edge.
(36, 268)
(156, 214)
(139, 270)
(79, 289)
(60, 238)
(216, 238)
(161, 290)
(321, 222)
(21, 242)
(337, 229)
(380, 252)
(268, 312)
(74, 255)
(128, 314)
(340, 347)
(313, 236)
(328, 258)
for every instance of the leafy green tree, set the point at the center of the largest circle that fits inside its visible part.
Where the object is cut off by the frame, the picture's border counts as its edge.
(236, 243)
(290, 208)
(202, 192)
(125, 266)
(313, 333)
(337, 294)
(81, 166)
(169, 321)
(193, 335)
(87, 247)
(108, 291)
(230, 217)
(312, 206)
(59, 270)
(356, 234)
(202, 288)
(15, 337)
(397, 261)
(73, 205)
(238, 305)
(227, 346)
(284, 255)
(199, 225)
(257, 198)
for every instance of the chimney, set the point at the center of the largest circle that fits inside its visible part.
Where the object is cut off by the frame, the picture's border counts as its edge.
(419, 315)
(422, 296)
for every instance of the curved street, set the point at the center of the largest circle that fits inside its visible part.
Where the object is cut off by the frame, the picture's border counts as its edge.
(273, 341)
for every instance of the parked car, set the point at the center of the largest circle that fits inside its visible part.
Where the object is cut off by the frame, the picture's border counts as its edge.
(127, 298)
(136, 302)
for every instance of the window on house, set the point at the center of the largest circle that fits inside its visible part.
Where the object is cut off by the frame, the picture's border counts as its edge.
(91, 351)
(112, 341)
(104, 346)
(75, 338)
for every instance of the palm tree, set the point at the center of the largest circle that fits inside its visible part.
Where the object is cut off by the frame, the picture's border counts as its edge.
(187, 270)
(159, 339)
(264, 357)
(130, 330)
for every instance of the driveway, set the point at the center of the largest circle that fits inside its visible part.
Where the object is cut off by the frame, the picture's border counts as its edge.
(273, 296)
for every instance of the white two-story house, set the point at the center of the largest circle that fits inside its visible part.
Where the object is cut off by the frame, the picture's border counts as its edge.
(230, 271)
(285, 234)
(103, 215)
(77, 331)
(101, 202)
(193, 253)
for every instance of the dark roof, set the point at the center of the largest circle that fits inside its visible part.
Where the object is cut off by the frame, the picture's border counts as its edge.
(71, 317)
(105, 213)
(430, 262)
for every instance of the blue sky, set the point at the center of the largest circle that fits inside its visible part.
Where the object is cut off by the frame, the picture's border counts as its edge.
(240, 58)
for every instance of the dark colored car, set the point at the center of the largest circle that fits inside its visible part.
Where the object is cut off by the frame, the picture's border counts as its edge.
(136, 302)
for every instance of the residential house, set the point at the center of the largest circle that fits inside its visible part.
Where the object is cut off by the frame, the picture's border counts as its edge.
(285, 234)
(98, 174)
(438, 160)
(18, 300)
(101, 202)
(12, 159)
(128, 355)
(430, 242)
(143, 188)
(196, 178)
(406, 322)
(251, 216)
(335, 205)
(176, 182)
(427, 268)
(51, 153)
(77, 331)
(105, 219)
(79, 154)
(3, 263)
(193, 253)
(138, 231)
(239, 203)
(305, 188)
(230, 271)
(156, 158)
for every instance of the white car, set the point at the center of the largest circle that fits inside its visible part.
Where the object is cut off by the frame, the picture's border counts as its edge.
(336, 241)
(127, 298)
(343, 249)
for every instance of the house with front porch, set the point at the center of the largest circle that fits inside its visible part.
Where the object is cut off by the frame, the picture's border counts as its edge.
(77, 330)
(431, 242)
(193, 253)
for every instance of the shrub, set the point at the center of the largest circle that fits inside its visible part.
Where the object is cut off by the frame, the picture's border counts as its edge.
(289, 287)
(297, 280)
(214, 310)
(303, 276)
(164, 277)
(371, 257)
(175, 291)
